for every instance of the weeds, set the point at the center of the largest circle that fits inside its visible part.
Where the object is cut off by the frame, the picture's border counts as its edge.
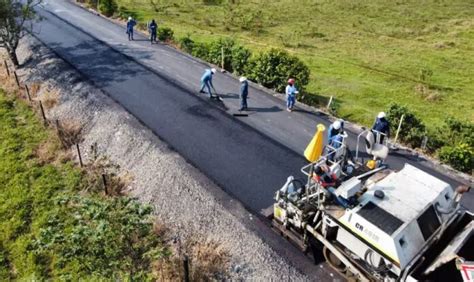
(69, 133)
(50, 99)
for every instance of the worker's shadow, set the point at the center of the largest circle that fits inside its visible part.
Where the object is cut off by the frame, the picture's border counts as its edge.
(229, 96)
(273, 109)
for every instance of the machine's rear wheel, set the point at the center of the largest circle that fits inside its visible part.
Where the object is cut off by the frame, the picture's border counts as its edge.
(334, 261)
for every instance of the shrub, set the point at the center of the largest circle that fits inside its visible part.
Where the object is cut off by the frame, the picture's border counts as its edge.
(460, 131)
(451, 133)
(413, 129)
(201, 50)
(273, 68)
(108, 7)
(460, 157)
(215, 52)
(165, 34)
(240, 59)
(236, 57)
(435, 140)
(186, 44)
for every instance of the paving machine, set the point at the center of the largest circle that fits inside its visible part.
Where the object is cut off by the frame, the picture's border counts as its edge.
(373, 223)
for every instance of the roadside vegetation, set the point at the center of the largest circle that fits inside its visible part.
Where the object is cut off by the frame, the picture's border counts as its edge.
(54, 221)
(60, 222)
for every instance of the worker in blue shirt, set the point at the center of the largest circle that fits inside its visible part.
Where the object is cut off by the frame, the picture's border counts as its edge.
(206, 81)
(244, 92)
(334, 129)
(381, 125)
(290, 92)
(153, 28)
(130, 25)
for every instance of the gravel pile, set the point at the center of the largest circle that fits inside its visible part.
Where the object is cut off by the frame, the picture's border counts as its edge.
(187, 202)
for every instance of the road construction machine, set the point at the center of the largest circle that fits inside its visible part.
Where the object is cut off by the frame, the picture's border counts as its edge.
(373, 223)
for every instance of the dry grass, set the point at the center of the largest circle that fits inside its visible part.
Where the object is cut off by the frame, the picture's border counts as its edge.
(50, 152)
(69, 133)
(208, 261)
(50, 98)
(34, 89)
(100, 166)
(427, 94)
(116, 185)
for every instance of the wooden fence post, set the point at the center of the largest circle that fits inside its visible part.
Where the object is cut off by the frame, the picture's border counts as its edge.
(104, 181)
(28, 92)
(329, 103)
(186, 268)
(424, 143)
(6, 67)
(16, 79)
(42, 112)
(398, 129)
(56, 122)
(79, 155)
(222, 57)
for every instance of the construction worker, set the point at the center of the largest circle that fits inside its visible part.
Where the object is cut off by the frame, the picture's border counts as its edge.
(130, 25)
(290, 92)
(329, 181)
(334, 129)
(244, 92)
(324, 177)
(206, 81)
(381, 125)
(153, 29)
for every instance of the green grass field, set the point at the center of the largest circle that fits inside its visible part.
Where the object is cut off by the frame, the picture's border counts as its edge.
(53, 226)
(367, 54)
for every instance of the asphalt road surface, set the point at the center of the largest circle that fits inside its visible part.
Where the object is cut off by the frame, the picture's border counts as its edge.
(249, 157)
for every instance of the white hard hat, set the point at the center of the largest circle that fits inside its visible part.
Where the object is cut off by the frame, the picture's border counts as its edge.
(336, 125)
(242, 79)
(381, 115)
(213, 70)
(129, 18)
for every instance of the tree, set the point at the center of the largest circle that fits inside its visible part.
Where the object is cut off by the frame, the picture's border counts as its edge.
(14, 14)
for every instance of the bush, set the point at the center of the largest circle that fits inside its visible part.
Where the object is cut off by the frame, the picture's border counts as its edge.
(201, 50)
(186, 44)
(240, 59)
(108, 7)
(460, 131)
(236, 57)
(215, 52)
(413, 129)
(165, 34)
(451, 133)
(273, 68)
(460, 157)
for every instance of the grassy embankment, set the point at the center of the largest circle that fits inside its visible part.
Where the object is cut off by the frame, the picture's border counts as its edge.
(367, 54)
(55, 221)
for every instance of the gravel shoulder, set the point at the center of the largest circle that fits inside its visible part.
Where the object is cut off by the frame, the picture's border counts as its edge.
(187, 202)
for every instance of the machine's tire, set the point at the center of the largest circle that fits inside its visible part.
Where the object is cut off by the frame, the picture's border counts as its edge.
(334, 261)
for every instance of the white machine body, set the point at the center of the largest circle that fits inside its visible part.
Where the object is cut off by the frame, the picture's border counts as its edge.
(400, 223)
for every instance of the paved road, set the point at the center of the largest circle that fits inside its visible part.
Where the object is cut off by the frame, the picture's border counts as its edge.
(248, 157)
